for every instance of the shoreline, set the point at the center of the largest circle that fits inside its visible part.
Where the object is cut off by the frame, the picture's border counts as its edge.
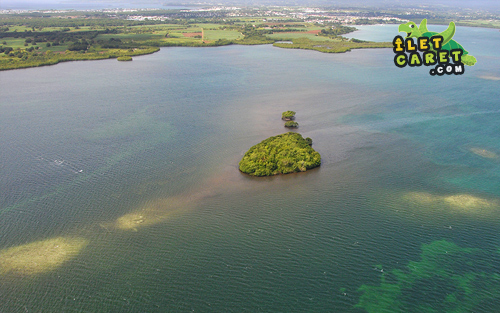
(94, 57)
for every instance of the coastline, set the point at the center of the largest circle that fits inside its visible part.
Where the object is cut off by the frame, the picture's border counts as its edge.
(56, 58)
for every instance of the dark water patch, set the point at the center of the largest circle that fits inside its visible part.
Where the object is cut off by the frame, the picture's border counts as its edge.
(447, 278)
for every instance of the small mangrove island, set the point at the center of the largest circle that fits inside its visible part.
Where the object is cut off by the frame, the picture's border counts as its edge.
(291, 124)
(288, 115)
(282, 154)
(124, 58)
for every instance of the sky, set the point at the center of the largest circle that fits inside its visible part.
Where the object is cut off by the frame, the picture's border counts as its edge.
(58, 4)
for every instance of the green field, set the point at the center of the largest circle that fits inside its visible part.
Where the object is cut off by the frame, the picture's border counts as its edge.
(158, 27)
(480, 23)
(131, 36)
(25, 28)
(222, 34)
(182, 40)
(18, 43)
(208, 26)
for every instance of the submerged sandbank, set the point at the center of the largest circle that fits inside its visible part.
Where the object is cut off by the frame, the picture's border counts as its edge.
(489, 77)
(40, 256)
(462, 203)
(484, 153)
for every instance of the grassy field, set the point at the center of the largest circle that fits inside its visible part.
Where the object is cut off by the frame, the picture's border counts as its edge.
(481, 23)
(222, 34)
(16, 43)
(208, 25)
(131, 36)
(181, 40)
(24, 28)
(158, 27)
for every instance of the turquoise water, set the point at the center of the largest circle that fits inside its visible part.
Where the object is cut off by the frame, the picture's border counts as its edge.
(120, 190)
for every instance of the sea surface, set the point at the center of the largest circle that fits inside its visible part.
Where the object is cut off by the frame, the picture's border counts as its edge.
(120, 189)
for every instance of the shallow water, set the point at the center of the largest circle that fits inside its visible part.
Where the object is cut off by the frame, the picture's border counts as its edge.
(138, 161)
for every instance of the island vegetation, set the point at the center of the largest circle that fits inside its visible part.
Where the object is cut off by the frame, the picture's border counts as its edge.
(291, 124)
(337, 46)
(125, 58)
(282, 154)
(288, 115)
(336, 31)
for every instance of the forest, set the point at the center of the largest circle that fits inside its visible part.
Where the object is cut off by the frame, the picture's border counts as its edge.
(282, 154)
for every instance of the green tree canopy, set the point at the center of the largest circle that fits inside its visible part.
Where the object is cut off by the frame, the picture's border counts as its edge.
(288, 115)
(282, 154)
